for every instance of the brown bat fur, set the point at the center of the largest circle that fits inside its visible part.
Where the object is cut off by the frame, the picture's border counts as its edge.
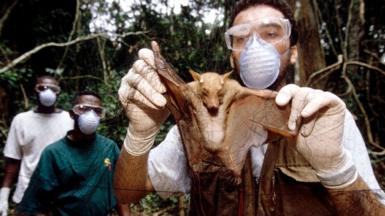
(218, 119)
(217, 92)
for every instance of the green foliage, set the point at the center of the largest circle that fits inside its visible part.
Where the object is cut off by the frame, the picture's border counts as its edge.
(16, 76)
(152, 203)
(114, 124)
(185, 40)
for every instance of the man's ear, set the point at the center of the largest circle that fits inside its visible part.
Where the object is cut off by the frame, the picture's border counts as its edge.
(195, 75)
(232, 61)
(293, 54)
(72, 114)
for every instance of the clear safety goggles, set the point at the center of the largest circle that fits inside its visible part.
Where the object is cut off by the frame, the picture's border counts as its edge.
(270, 29)
(43, 87)
(79, 109)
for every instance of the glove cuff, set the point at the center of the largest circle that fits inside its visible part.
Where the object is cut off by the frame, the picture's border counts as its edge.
(339, 176)
(4, 194)
(138, 145)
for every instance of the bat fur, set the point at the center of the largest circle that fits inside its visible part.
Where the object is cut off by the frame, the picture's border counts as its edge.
(216, 92)
(206, 111)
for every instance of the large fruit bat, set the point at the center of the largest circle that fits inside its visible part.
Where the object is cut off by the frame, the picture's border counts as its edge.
(222, 133)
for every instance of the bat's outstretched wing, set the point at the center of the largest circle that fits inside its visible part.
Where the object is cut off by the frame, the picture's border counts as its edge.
(180, 96)
(245, 114)
(174, 84)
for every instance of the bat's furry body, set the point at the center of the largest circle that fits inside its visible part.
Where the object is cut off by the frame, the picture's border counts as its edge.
(217, 92)
(218, 119)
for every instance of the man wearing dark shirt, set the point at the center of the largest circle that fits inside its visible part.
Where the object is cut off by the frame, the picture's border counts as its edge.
(74, 175)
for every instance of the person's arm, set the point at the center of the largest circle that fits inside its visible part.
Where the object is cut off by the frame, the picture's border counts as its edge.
(166, 167)
(131, 181)
(356, 199)
(123, 209)
(12, 153)
(355, 144)
(320, 141)
(11, 171)
(140, 94)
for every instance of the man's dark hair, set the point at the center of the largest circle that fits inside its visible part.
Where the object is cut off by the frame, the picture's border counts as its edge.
(280, 5)
(78, 94)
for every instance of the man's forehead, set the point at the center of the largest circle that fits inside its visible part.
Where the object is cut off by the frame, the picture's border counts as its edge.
(47, 80)
(88, 99)
(257, 12)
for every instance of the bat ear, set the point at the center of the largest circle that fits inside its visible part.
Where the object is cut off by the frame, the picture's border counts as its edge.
(227, 75)
(195, 75)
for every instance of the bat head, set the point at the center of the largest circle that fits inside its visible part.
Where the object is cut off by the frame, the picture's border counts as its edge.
(211, 89)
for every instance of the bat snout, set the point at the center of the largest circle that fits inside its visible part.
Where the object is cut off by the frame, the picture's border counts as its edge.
(212, 110)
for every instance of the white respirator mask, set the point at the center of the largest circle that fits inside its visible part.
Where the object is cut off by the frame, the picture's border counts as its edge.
(259, 63)
(88, 122)
(47, 97)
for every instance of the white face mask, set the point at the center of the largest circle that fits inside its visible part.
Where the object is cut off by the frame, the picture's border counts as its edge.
(88, 122)
(259, 64)
(47, 97)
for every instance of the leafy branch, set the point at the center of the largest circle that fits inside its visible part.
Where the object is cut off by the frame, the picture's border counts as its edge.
(33, 51)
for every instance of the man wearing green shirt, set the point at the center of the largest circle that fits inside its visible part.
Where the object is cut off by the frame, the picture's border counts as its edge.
(75, 174)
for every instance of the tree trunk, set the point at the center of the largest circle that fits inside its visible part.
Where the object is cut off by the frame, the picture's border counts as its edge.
(311, 56)
(355, 29)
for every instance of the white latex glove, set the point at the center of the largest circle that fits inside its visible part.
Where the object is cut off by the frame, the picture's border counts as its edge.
(140, 93)
(320, 136)
(4, 195)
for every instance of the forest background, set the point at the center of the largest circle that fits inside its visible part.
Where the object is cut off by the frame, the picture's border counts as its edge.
(91, 44)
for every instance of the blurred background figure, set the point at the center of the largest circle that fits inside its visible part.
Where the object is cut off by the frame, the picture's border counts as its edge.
(74, 174)
(29, 134)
